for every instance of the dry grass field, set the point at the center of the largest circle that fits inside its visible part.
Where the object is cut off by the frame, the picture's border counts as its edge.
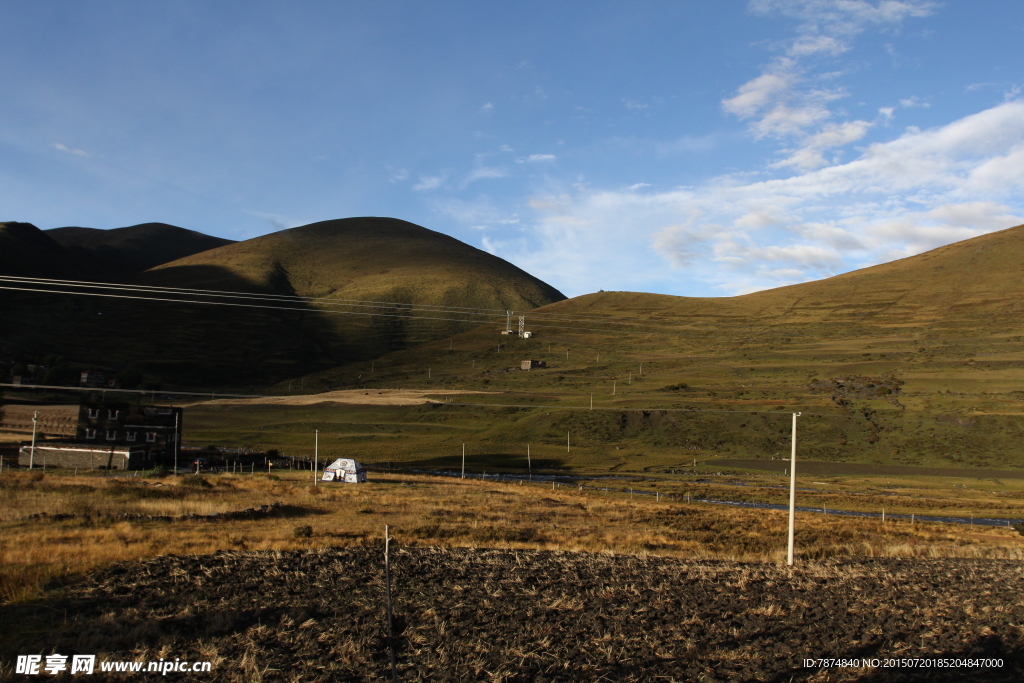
(59, 526)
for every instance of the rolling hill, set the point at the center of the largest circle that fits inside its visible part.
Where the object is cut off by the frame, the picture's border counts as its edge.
(918, 362)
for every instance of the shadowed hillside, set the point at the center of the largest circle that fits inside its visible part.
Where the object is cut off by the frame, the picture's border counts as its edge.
(125, 251)
(384, 260)
(27, 251)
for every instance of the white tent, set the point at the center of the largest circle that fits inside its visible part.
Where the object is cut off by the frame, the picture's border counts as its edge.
(346, 470)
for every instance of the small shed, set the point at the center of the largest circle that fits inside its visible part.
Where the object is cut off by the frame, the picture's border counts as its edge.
(347, 470)
(531, 364)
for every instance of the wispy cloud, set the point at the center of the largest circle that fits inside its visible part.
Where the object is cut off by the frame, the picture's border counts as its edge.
(482, 173)
(276, 220)
(789, 100)
(430, 182)
(535, 158)
(70, 150)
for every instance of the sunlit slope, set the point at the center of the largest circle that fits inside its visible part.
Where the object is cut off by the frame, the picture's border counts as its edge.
(380, 259)
(974, 281)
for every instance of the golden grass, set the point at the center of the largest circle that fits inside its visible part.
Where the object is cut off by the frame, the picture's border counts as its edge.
(420, 511)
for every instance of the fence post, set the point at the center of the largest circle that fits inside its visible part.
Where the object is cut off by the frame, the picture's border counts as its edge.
(387, 579)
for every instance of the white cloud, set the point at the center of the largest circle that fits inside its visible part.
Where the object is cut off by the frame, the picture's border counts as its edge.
(487, 108)
(534, 158)
(482, 173)
(788, 100)
(811, 153)
(70, 150)
(398, 175)
(914, 101)
(895, 199)
(633, 104)
(430, 182)
(755, 95)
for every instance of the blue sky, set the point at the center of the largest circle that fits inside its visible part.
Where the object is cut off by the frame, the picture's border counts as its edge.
(689, 148)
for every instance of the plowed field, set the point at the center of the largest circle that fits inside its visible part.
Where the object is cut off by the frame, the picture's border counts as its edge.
(507, 615)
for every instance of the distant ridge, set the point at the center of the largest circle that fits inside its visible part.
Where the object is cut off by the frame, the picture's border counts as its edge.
(975, 281)
(27, 251)
(131, 250)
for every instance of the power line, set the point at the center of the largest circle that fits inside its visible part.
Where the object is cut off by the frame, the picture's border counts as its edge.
(281, 298)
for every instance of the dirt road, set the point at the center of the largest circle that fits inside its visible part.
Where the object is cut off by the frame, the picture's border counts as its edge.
(377, 397)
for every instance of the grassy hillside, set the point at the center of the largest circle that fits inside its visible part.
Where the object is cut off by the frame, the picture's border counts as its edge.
(127, 251)
(919, 362)
(377, 259)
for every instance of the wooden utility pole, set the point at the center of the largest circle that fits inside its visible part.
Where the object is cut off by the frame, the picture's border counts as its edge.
(463, 461)
(316, 454)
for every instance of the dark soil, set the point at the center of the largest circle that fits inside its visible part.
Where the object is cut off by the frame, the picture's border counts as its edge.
(503, 615)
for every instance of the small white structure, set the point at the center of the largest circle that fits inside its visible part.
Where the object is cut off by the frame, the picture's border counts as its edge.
(346, 470)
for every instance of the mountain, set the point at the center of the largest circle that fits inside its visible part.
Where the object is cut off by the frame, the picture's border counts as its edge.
(379, 259)
(131, 250)
(27, 251)
(368, 259)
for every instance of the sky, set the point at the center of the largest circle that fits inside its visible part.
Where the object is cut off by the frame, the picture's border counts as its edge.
(687, 148)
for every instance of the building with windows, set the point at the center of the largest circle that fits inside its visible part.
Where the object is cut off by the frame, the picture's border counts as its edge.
(155, 429)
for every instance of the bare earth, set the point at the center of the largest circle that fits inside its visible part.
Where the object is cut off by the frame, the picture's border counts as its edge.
(520, 616)
(375, 397)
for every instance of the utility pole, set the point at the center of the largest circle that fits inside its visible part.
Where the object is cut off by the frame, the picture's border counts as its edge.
(567, 442)
(32, 453)
(630, 380)
(508, 322)
(316, 454)
(529, 465)
(177, 446)
(591, 401)
(463, 461)
(792, 493)
(613, 387)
